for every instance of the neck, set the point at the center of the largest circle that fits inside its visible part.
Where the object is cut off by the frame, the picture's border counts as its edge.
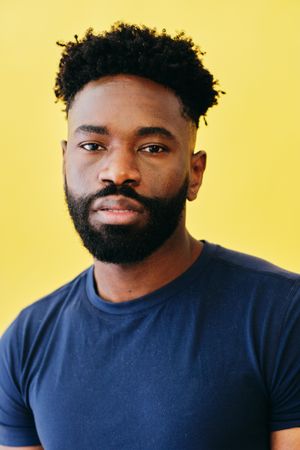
(119, 283)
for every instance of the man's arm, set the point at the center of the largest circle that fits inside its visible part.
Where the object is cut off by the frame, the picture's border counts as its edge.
(4, 447)
(286, 439)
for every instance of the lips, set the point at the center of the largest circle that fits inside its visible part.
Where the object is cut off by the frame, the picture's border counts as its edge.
(116, 204)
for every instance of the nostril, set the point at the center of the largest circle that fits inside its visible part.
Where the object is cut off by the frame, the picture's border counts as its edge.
(130, 181)
(127, 181)
(119, 174)
(105, 180)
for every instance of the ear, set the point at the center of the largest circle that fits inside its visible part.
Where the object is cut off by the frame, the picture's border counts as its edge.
(64, 151)
(198, 164)
(63, 147)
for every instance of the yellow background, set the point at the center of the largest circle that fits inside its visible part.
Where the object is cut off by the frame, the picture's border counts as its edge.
(250, 197)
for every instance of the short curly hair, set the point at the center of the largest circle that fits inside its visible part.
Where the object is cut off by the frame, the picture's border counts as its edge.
(138, 50)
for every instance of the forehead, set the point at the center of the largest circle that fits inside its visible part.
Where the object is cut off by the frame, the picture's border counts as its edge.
(125, 102)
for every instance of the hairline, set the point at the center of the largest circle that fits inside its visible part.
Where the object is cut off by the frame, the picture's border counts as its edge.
(183, 108)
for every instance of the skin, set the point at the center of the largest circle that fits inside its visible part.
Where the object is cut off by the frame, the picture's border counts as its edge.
(124, 104)
(3, 447)
(286, 439)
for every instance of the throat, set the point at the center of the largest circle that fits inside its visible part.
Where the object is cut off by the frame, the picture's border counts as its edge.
(119, 283)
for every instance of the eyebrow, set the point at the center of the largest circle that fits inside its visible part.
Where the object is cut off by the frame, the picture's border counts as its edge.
(92, 129)
(150, 131)
(142, 132)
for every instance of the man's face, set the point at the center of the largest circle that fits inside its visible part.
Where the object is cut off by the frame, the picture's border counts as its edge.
(128, 166)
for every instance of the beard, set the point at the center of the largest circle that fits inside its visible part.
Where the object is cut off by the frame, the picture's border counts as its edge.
(125, 244)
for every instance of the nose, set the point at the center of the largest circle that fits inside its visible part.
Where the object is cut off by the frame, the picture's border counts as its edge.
(120, 168)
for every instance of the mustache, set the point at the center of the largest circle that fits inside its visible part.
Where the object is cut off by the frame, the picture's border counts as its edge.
(123, 190)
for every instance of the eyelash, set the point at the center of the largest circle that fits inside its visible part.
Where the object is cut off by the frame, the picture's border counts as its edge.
(99, 148)
(90, 150)
(162, 149)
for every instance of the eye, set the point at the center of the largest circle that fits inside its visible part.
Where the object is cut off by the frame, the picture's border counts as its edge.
(153, 148)
(91, 147)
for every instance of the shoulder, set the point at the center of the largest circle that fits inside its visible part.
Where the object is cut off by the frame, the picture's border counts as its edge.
(43, 313)
(239, 280)
(250, 267)
(252, 263)
(35, 333)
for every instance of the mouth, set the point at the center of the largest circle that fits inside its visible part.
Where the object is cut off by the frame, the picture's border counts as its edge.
(116, 210)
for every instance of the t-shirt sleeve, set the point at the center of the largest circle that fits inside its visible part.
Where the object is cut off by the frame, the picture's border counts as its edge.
(285, 376)
(17, 426)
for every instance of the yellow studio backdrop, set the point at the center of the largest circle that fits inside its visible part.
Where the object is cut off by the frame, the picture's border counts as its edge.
(250, 197)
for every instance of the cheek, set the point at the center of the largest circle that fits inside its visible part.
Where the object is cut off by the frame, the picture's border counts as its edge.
(80, 177)
(166, 184)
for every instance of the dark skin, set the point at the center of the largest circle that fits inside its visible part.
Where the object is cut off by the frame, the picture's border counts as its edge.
(154, 164)
(123, 105)
(127, 149)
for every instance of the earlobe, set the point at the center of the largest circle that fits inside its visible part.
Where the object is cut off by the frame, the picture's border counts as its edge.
(198, 164)
(64, 150)
(63, 146)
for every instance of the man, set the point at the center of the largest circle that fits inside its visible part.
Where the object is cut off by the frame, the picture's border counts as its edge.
(166, 342)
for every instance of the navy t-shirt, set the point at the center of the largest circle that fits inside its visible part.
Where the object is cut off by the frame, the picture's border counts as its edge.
(210, 361)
